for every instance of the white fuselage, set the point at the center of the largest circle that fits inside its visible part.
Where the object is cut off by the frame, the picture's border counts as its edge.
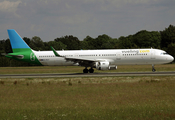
(114, 57)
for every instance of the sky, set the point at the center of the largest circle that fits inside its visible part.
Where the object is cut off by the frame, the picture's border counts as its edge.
(50, 19)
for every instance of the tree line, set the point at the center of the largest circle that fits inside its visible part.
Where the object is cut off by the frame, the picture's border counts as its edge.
(164, 40)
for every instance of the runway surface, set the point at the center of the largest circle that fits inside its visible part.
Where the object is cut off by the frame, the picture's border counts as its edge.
(50, 75)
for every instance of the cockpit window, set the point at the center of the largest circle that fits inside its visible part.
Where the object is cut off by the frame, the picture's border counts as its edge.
(164, 53)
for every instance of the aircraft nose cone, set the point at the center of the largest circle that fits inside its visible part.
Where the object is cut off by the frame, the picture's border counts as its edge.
(171, 58)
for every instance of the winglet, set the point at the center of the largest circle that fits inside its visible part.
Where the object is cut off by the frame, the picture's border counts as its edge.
(54, 51)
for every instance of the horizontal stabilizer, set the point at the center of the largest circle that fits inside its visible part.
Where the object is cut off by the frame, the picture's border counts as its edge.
(4, 54)
(17, 56)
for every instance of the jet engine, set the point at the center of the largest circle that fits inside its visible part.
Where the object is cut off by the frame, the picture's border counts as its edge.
(105, 66)
(112, 67)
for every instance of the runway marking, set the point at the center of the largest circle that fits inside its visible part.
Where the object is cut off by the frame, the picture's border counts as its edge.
(45, 75)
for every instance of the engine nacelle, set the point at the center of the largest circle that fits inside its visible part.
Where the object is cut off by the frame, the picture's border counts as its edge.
(105, 66)
(112, 67)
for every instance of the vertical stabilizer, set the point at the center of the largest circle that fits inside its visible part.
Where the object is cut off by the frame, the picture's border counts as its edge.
(17, 43)
(21, 51)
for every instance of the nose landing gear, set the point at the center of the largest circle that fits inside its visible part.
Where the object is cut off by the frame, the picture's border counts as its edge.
(153, 69)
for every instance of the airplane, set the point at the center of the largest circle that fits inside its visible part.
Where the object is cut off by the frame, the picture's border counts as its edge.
(107, 59)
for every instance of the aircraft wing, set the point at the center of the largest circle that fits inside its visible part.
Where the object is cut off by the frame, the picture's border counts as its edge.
(82, 61)
(79, 60)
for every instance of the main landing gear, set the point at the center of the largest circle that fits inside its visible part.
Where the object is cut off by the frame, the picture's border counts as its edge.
(153, 69)
(91, 70)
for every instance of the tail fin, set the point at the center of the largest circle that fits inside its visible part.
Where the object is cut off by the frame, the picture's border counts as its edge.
(17, 43)
(21, 51)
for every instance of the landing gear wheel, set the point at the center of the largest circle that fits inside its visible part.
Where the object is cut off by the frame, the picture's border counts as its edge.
(91, 70)
(153, 69)
(85, 70)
